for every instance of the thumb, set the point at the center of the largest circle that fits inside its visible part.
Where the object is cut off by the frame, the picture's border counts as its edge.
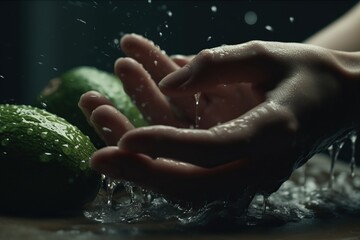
(252, 62)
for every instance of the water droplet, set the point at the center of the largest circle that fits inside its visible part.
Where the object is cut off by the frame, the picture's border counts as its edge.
(291, 19)
(55, 69)
(5, 142)
(80, 20)
(149, 1)
(65, 148)
(83, 165)
(155, 63)
(169, 13)
(106, 129)
(160, 33)
(269, 28)
(353, 138)
(45, 157)
(209, 38)
(43, 135)
(250, 17)
(116, 41)
(43, 104)
(213, 8)
(56, 141)
(197, 116)
(1, 76)
(29, 131)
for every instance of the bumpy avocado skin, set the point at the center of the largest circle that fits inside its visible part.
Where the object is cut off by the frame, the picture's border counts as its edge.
(62, 95)
(45, 163)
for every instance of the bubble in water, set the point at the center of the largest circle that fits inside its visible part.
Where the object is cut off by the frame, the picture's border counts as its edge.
(213, 8)
(5, 142)
(269, 28)
(291, 19)
(250, 17)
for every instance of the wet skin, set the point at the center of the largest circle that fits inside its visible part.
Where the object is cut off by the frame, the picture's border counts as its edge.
(265, 108)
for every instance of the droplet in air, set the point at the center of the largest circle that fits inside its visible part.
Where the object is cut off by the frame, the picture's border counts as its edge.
(149, 1)
(213, 8)
(55, 69)
(160, 33)
(155, 63)
(291, 19)
(209, 38)
(269, 28)
(5, 142)
(1, 76)
(250, 17)
(197, 116)
(80, 20)
(169, 13)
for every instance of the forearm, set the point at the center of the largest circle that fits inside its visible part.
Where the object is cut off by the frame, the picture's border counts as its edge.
(343, 34)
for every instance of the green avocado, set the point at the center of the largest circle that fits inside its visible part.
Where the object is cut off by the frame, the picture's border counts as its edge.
(62, 95)
(44, 163)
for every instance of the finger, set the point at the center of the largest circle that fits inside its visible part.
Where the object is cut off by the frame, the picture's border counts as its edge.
(139, 85)
(151, 57)
(266, 127)
(251, 62)
(110, 124)
(181, 180)
(199, 147)
(181, 60)
(89, 101)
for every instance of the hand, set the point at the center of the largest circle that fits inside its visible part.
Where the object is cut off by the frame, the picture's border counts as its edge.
(301, 93)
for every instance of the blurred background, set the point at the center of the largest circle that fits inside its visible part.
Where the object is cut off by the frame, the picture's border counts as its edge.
(42, 39)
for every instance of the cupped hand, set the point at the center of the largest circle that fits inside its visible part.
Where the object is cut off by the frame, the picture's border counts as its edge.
(296, 97)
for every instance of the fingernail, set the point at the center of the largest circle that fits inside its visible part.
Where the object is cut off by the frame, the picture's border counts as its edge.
(177, 78)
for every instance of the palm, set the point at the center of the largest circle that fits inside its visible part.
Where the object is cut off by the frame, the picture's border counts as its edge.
(218, 105)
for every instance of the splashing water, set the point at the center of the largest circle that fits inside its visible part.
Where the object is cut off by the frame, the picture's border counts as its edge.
(334, 151)
(353, 138)
(291, 203)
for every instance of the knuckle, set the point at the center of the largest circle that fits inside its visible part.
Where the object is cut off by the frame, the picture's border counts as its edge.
(205, 56)
(258, 47)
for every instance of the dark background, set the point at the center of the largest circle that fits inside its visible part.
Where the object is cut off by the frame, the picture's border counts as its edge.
(42, 39)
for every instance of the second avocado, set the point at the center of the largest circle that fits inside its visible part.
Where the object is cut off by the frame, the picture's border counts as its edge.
(62, 95)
